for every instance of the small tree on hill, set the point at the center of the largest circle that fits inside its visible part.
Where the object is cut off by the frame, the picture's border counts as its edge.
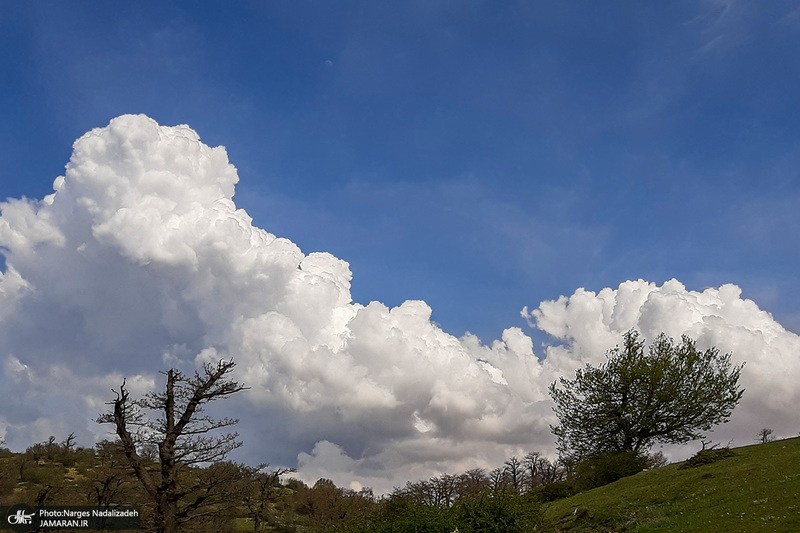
(180, 435)
(765, 435)
(516, 474)
(262, 489)
(670, 393)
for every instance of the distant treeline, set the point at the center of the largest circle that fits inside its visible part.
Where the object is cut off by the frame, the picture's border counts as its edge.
(243, 498)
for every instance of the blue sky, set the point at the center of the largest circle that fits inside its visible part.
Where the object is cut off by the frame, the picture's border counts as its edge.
(482, 156)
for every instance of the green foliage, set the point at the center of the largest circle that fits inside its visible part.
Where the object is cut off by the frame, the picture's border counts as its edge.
(44, 476)
(504, 513)
(555, 491)
(8, 480)
(416, 518)
(607, 467)
(705, 457)
(670, 393)
(595, 471)
(482, 512)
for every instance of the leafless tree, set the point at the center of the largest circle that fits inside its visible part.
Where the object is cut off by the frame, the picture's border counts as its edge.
(765, 435)
(263, 489)
(539, 470)
(181, 434)
(472, 482)
(110, 476)
(69, 442)
(498, 481)
(516, 474)
(706, 443)
(533, 467)
(656, 460)
(420, 492)
(444, 489)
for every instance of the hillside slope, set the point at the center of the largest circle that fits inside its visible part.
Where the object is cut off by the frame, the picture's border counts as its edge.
(757, 489)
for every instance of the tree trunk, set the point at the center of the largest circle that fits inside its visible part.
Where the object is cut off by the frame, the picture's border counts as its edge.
(167, 515)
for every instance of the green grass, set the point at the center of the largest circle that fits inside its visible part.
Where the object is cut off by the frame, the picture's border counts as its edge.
(757, 489)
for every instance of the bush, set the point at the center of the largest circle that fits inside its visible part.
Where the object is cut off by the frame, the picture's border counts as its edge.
(51, 475)
(607, 467)
(504, 513)
(417, 518)
(555, 491)
(705, 457)
(7, 485)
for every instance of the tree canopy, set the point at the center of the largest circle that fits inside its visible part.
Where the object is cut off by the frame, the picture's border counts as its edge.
(669, 393)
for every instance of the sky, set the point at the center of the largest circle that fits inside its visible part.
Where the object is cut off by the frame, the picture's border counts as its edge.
(403, 222)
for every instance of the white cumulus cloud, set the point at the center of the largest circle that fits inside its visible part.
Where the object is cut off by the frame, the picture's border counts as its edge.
(141, 260)
(588, 323)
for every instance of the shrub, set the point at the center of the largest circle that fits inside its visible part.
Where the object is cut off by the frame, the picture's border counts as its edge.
(7, 484)
(555, 491)
(419, 518)
(705, 457)
(505, 513)
(49, 475)
(607, 467)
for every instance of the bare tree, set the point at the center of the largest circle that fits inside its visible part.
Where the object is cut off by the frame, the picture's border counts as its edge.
(657, 460)
(706, 443)
(420, 492)
(539, 470)
(180, 433)
(111, 476)
(69, 442)
(765, 435)
(472, 482)
(516, 474)
(533, 467)
(498, 481)
(445, 490)
(263, 491)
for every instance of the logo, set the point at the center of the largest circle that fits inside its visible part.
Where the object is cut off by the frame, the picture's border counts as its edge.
(21, 517)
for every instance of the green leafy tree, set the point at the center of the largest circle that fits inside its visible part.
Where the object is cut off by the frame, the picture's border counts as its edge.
(669, 393)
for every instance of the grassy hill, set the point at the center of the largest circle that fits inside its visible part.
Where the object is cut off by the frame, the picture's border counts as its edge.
(755, 489)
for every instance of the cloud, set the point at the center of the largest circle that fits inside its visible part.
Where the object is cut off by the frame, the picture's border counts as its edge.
(141, 259)
(588, 323)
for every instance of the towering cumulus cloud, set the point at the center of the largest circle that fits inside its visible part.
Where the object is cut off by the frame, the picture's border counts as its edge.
(140, 261)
